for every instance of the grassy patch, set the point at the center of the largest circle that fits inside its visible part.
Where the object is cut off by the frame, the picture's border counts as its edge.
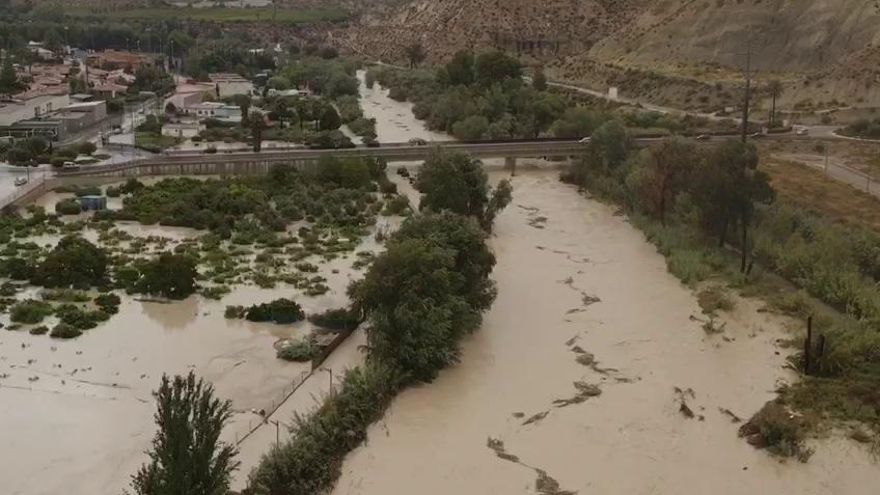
(779, 430)
(713, 299)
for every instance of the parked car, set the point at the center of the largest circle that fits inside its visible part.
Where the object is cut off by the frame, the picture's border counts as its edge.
(703, 137)
(417, 142)
(20, 181)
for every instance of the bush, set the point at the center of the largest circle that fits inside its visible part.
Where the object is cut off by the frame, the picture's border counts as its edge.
(73, 262)
(40, 330)
(108, 303)
(336, 319)
(169, 275)
(279, 311)
(30, 311)
(87, 148)
(235, 312)
(65, 331)
(311, 461)
(68, 207)
(298, 352)
(778, 430)
(79, 318)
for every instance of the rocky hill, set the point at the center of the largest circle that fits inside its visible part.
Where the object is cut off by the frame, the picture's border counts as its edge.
(826, 51)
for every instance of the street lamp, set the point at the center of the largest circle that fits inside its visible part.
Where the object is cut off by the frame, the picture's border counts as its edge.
(330, 373)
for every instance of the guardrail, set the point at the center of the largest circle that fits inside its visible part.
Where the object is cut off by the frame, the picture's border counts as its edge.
(35, 184)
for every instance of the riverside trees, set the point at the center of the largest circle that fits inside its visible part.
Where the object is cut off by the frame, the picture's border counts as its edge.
(187, 456)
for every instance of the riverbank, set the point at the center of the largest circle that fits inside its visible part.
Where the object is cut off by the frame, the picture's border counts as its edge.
(558, 253)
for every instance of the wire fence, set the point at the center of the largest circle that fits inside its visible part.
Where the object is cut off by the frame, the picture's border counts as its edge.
(273, 405)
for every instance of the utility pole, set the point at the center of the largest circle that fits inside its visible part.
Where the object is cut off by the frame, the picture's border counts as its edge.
(748, 95)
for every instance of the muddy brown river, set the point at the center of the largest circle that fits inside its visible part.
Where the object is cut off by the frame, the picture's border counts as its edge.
(583, 302)
(576, 280)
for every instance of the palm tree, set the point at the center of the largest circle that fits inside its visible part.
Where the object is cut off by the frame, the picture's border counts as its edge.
(775, 89)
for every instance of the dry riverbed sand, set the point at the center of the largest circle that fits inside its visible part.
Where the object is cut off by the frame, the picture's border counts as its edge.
(586, 307)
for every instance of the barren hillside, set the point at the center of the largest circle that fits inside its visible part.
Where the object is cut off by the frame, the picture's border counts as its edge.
(825, 50)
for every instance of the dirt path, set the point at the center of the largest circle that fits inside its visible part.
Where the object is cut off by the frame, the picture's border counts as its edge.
(576, 381)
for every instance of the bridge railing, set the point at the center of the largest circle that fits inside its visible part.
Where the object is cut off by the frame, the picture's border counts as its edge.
(33, 184)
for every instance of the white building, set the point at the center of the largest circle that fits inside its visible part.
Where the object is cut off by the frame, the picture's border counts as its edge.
(182, 130)
(217, 111)
(231, 85)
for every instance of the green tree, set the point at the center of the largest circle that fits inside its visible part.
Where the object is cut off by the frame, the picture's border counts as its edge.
(415, 54)
(169, 275)
(473, 128)
(493, 66)
(662, 173)
(9, 82)
(425, 293)
(459, 71)
(280, 83)
(610, 145)
(456, 182)
(73, 262)
(576, 122)
(330, 119)
(258, 125)
(726, 189)
(187, 456)
(775, 89)
(539, 80)
(52, 40)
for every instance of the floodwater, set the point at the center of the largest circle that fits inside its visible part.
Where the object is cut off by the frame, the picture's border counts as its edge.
(395, 122)
(76, 416)
(574, 279)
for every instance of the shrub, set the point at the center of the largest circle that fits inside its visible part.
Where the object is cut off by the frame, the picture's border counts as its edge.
(777, 429)
(80, 318)
(311, 461)
(279, 311)
(64, 295)
(30, 311)
(235, 312)
(297, 352)
(40, 330)
(108, 303)
(73, 262)
(65, 331)
(68, 207)
(336, 319)
(169, 275)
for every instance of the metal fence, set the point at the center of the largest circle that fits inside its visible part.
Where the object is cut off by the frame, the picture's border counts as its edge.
(273, 405)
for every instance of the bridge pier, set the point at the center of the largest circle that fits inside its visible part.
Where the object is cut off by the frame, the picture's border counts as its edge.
(510, 164)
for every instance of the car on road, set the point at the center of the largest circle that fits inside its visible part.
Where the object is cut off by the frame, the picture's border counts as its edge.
(20, 181)
(802, 131)
(585, 140)
(757, 135)
(417, 142)
(703, 137)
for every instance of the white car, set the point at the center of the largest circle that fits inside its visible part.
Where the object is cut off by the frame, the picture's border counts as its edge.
(585, 140)
(803, 131)
(20, 181)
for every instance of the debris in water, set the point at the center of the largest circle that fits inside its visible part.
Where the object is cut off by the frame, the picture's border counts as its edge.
(578, 350)
(588, 299)
(498, 447)
(546, 485)
(733, 417)
(586, 359)
(585, 391)
(571, 341)
(519, 415)
(536, 418)
(685, 410)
